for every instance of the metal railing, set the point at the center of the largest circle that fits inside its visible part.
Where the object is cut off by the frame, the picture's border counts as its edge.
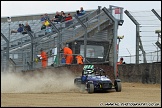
(94, 21)
(146, 25)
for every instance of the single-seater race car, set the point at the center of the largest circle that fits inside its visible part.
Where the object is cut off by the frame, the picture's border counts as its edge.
(95, 79)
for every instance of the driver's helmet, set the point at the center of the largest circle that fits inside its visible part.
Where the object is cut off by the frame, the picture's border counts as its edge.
(90, 71)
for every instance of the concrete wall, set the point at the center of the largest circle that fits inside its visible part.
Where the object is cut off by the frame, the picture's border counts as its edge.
(144, 73)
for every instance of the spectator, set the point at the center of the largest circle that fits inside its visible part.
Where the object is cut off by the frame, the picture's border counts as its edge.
(42, 18)
(82, 11)
(56, 18)
(68, 54)
(48, 29)
(44, 58)
(46, 16)
(46, 23)
(62, 19)
(27, 27)
(43, 26)
(78, 13)
(69, 17)
(20, 29)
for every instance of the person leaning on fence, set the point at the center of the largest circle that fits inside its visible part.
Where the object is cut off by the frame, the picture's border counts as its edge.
(79, 59)
(43, 58)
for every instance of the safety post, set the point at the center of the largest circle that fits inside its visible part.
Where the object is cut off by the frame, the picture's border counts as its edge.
(58, 41)
(85, 36)
(115, 36)
(138, 40)
(7, 52)
(32, 44)
(156, 14)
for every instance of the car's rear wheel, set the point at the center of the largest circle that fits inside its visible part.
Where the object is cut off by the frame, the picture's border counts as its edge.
(77, 81)
(118, 86)
(90, 88)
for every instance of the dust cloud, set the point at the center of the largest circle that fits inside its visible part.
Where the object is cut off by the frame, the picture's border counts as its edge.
(46, 81)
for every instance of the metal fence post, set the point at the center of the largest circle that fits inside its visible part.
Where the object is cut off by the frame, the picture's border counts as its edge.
(137, 34)
(32, 42)
(7, 51)
(156, 14)
(98, 12)
(108, 13)
(85, 36)
(58, 42)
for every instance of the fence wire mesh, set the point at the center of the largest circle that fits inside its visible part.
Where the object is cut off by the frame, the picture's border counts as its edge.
(149, 23)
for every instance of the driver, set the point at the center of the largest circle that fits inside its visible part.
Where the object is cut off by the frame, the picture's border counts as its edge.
(90, 72)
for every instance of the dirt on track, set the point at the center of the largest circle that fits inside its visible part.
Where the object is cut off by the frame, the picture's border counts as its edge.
(48, 89)
(131, 92)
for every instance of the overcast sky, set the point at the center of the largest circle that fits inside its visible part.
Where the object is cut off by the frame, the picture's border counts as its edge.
(19, 8)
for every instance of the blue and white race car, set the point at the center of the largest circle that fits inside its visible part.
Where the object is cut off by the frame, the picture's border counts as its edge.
(95, 79)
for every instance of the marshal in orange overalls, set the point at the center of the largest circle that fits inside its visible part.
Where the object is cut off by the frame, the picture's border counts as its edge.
(68, 55)
(44, 59)
(79, 59)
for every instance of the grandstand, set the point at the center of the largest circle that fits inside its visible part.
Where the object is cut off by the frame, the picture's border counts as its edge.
(96, 29)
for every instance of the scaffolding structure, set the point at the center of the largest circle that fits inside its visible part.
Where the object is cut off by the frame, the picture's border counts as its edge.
(100, 24)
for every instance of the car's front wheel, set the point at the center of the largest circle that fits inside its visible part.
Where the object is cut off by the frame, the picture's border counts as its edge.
(90, 87)
(117, 86)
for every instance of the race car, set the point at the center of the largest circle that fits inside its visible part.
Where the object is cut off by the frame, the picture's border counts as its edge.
(95, 79)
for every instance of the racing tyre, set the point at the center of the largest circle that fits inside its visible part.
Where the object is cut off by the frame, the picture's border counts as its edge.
(118, 86)
(90, 88)
(77, 81)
